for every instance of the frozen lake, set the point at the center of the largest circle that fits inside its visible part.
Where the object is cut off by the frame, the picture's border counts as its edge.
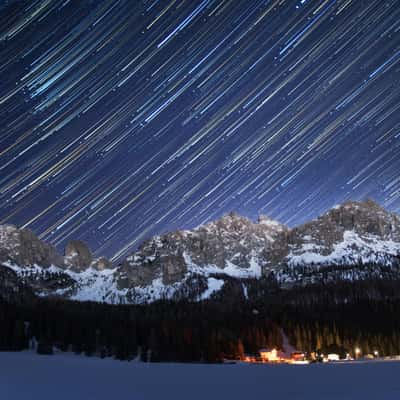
(28, 376)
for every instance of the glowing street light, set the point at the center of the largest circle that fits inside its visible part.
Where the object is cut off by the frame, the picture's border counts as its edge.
(357, 351)
(376, 353)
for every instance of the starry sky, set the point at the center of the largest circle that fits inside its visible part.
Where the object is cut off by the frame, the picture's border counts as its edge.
(121, 119)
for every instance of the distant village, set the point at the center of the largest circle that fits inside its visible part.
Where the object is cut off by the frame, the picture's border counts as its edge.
(274, 356)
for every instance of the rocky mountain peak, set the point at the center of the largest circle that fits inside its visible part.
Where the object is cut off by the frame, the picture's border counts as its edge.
(347, 233)
(363, 217)
(23, 247)
(101, 264)
(272, 224)
(78, 255)
(200, 259)
(229, 245)
(234, 223)
(367, 206)
(264, 219)
(228, 222)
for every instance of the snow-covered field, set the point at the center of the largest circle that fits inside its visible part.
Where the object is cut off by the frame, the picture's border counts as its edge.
(25, 376)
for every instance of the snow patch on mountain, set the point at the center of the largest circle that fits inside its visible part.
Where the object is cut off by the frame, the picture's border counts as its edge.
(231, 270)
(196, 263)
(214, 285)
(353, 249)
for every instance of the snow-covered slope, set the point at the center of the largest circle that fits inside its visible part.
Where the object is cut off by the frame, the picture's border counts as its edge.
(232, 246)
(26, 375)
(352, 233)
(353, 249)
(196, 263)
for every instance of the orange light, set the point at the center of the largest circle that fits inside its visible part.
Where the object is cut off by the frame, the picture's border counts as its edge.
(269, 356)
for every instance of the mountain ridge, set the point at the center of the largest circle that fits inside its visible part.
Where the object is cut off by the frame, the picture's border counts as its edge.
(196, 263)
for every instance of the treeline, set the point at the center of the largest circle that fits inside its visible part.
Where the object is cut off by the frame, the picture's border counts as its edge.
(324, 273)
(162, 331)
(342, 316)
(331, 317)
(341, 329)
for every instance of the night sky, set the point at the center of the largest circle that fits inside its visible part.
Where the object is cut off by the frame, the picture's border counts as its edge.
(122, 119)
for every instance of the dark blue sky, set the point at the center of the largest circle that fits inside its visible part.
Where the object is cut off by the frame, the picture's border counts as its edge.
(122, 119)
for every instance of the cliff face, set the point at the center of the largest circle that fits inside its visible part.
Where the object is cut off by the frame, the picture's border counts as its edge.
(22, 247)
(78, 255)
(197, 263)
(232, 245)
(348, 233)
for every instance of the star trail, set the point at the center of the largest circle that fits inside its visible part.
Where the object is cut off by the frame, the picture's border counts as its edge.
(122, 119)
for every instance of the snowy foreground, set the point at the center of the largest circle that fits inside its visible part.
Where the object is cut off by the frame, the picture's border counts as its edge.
(66, 377)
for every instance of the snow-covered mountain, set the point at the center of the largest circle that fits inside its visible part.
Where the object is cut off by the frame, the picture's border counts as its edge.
(350, 233)
(197, 263)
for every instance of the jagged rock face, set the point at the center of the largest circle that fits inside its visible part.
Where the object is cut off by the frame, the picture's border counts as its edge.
(232, 242)
(344, 243)
(77, 255)
(22, 247)
(365, 217)
(160, 257)
(101, 263)
(351, 231)
(233, 239)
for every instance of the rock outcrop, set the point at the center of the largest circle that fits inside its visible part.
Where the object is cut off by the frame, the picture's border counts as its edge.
(346, 233)
(101, 264)
(231, 245)
(78, 255)
(22, 247)
(197, 263)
